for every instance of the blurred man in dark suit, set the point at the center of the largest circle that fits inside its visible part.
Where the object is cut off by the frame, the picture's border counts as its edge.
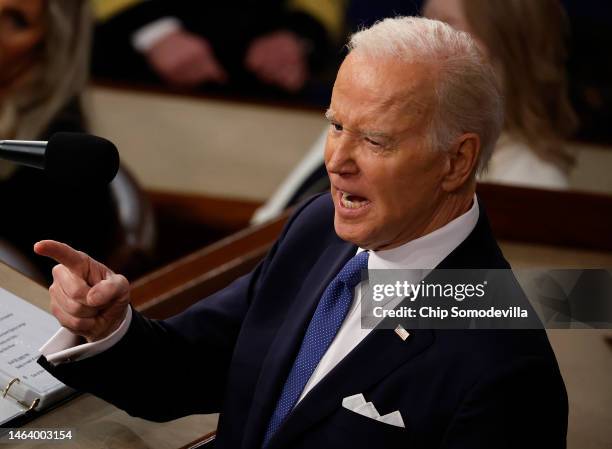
(189, 44)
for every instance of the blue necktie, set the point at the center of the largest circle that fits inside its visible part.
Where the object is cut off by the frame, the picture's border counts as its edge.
(323, 327)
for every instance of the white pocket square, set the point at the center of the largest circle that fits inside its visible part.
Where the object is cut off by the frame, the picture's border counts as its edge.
(358, 404)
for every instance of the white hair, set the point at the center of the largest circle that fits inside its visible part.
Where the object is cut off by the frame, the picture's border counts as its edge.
(468, 96)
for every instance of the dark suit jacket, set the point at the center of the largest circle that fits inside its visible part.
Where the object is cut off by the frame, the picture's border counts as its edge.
(231, 352)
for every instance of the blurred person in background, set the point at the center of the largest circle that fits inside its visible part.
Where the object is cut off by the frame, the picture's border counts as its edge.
(525, 41)
(44, 48)
(248, 44)
(44, 65)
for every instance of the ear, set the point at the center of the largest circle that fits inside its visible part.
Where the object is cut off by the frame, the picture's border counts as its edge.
(462, 161)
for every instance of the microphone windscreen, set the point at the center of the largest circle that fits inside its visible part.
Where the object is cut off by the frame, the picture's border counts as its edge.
(81, 159)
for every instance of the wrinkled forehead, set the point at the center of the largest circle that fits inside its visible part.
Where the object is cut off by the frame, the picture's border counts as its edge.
(384, 86)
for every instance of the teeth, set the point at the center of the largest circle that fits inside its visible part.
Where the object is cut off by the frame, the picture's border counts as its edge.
(351, 204)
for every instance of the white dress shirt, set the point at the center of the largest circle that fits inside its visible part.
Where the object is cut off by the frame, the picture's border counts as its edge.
(423, 253)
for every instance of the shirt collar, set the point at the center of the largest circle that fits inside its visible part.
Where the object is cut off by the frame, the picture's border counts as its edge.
(428, 251)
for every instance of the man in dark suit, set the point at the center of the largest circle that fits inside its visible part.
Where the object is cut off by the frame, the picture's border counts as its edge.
(414, 115)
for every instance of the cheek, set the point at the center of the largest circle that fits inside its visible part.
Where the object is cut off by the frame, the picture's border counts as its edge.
(405, 185)
(15, 51)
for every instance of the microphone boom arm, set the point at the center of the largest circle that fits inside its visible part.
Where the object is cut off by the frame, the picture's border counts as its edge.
(24, 152)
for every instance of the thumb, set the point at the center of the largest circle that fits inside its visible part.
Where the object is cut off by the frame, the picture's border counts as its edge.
(113, 289)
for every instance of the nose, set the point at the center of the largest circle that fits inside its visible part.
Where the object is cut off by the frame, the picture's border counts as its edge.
(340, 155)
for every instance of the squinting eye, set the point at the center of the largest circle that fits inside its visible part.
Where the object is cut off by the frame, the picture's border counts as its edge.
(336, 126)
(373, 142)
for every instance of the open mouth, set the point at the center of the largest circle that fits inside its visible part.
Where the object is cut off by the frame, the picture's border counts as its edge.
(351, 201)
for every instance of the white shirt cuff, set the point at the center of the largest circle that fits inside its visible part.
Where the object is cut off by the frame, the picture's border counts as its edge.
(64, 345)
(146, 37)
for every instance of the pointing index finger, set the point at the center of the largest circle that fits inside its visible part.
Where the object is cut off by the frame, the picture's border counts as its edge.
(74, 260)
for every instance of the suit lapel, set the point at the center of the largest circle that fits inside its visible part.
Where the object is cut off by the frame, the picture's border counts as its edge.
(380, 353)
(289, 336)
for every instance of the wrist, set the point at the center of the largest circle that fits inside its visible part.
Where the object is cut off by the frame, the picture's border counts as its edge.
(144, 39)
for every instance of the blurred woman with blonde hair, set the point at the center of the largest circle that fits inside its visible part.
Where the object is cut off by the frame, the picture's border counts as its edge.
(44, 66)
(44, 59)
(525, 41)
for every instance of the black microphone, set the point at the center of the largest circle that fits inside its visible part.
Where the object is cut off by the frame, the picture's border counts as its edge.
(67, 158)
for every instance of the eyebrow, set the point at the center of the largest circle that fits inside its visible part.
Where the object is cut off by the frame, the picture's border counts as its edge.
(377, 134)
(329, 115)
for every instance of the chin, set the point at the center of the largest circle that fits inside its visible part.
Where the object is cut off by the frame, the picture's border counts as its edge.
(353, 233)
